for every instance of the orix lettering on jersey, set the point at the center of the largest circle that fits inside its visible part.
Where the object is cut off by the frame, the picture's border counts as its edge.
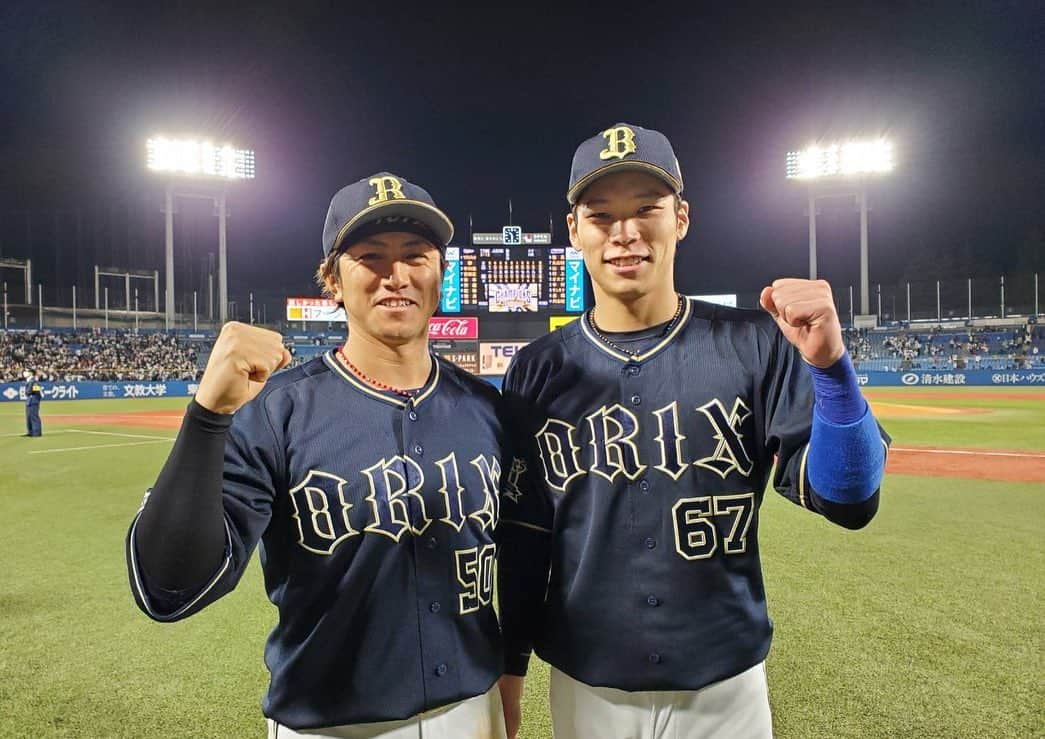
(327, 510)
(614, 434)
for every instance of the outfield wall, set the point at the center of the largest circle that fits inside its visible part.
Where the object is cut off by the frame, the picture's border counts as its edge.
(951, 378)
(15, 392)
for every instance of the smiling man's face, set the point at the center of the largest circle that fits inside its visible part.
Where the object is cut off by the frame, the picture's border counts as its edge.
(627, 226)
(389, 284)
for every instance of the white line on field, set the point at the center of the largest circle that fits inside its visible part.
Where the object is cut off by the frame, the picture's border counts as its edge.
(58, 431)
(114, 433)
(970, 452)
(97, 446)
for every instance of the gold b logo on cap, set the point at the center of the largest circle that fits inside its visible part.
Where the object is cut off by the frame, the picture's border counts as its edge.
(387, 188)
(620, 143)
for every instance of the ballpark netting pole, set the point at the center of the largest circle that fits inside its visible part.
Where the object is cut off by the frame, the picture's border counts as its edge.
(74, 307)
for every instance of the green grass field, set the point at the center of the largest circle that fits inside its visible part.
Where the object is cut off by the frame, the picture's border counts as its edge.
(928, 623)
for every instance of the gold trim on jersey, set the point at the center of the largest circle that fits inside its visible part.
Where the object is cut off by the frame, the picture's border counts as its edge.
(373, 392)
(586, 329)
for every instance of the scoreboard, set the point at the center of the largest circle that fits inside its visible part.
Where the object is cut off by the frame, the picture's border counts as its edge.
(513, 279)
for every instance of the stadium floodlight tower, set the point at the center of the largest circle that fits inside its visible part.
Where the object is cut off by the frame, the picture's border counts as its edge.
(195, 164)
(838, 168)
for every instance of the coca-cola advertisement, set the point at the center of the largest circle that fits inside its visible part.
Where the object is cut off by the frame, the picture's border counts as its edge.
(443, 327)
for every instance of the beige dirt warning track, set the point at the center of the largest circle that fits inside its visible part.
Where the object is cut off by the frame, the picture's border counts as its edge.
(883, 410)
(970, 464)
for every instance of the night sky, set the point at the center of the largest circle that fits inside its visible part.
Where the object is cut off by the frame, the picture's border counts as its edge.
(483, 105)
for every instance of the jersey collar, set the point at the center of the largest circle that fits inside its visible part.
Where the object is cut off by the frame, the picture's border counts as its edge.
(362, 387)
(590, 335)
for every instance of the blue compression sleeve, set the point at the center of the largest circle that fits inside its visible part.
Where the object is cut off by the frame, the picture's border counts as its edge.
(838, 396)
(846, 453)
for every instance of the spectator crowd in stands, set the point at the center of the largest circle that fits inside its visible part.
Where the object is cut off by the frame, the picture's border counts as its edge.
(97, 355)
(61, 356)
(938, 348)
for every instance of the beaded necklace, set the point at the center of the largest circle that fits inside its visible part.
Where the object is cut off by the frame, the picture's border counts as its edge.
(618, 347)
(371, 381)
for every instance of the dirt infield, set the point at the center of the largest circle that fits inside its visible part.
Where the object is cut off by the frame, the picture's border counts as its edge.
(142, 419)
(970, 464)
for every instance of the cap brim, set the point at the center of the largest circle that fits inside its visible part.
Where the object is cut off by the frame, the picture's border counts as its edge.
(622, 166)
(427, 214)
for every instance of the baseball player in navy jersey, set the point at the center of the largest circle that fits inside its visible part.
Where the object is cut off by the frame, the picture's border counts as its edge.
(648, 430)
(375, 518)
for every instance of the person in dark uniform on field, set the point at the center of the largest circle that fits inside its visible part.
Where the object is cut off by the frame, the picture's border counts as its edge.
(33, 394)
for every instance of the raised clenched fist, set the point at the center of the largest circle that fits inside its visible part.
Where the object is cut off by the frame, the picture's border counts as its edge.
(805, 312)
(241, 361)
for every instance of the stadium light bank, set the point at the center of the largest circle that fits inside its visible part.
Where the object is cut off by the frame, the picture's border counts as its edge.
(192, 165)
(834, 169)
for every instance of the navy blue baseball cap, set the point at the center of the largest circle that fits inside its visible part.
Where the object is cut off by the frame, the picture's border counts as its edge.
(379, 203)
(622, 147)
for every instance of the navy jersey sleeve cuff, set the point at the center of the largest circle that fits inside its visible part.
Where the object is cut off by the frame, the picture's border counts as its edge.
(171, 605)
